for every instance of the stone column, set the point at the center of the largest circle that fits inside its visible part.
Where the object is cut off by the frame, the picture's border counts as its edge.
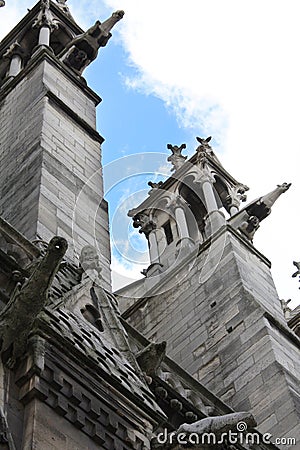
(148, 227)
(46, 23)
(181, 223)
(215, 219)
(178, 206)
(44, 36)
(209, 195)
(153, 247)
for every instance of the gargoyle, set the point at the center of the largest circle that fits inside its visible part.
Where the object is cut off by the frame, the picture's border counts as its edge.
(150, 357)
(83, 49)
(18, 316)
(261, 207)
(248, 219)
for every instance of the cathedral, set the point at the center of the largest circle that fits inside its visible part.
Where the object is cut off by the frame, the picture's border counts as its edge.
(200, 353)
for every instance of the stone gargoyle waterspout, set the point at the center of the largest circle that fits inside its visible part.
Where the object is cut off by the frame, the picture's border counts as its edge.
(18, 316)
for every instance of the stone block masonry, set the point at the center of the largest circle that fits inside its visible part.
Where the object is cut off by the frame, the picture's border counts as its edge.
(223, 334)
(51, 152)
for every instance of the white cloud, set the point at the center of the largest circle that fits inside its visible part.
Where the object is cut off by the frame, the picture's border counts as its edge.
(230, 70)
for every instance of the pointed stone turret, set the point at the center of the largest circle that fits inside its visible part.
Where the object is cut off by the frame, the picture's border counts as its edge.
(189, 207)
(51, 151)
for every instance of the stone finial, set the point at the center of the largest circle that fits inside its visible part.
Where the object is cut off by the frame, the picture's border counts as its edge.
(237, 195)
(83, 49)
(89, 261)
(154, 186)
(176, 159)
(45, 17)
(204, 144)
(62, 5)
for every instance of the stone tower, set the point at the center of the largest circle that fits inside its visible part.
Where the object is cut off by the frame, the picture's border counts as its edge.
(51, 150)
(209, 292)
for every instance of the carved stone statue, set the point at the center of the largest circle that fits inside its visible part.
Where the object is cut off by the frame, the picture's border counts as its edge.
(83, 49)
(89, 261)
(176, 159)
(249, 227)
(205, 149)
(204, 144)
(297, 265)
(150, 357)
(18, 316)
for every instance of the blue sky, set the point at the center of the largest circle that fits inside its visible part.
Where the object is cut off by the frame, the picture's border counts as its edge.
(173, 71)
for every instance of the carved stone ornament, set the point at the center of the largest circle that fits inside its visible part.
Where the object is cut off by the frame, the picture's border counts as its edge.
(204, 144)
(176, 159)
(249, 227)
(14, 49)
(143, 221)
(83, 49)
(151, 357)
(18, 316)
(176, 201)
(45, 17)
(154, 186)
(89, 261)
(62, 5)
(237, 195)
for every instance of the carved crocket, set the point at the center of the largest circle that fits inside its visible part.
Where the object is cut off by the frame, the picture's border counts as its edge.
(18, 316)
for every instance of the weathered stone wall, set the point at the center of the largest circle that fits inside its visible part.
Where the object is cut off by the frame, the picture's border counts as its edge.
(51, 175)
(215, 320)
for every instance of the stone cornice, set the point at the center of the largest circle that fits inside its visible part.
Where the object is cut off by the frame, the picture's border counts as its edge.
(86, 127)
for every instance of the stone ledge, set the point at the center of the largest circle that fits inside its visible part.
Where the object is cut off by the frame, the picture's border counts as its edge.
(45, 54)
